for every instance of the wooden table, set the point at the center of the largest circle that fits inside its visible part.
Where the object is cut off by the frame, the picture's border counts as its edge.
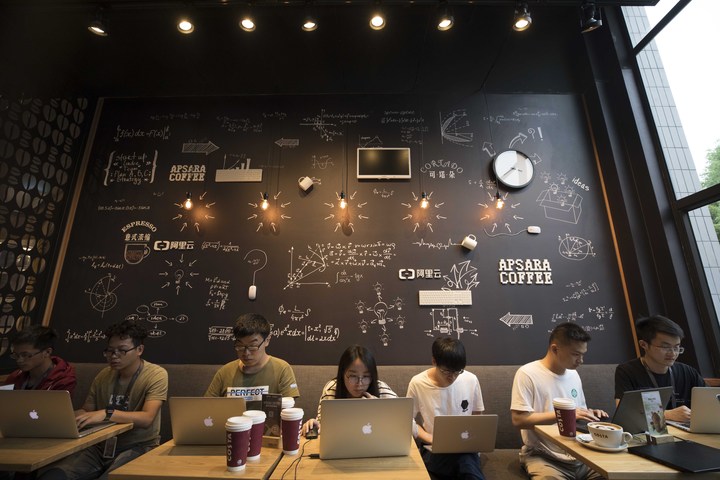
(183, 462)
(410, 467)
(28, 454)
(624, 465)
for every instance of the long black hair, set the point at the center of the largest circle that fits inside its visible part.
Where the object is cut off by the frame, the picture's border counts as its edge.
(346, 359)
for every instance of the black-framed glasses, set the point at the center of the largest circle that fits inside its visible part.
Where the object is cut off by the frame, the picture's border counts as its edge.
(240, 348)
(451, 373)
(24, 355)
(668, 349)
(120, 352)
(359, 379)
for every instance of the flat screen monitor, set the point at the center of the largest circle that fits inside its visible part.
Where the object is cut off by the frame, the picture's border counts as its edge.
(383, 163)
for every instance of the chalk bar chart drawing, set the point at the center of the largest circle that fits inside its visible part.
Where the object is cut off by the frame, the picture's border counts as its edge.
(515, 321)
(455, 128)
(102, 294)
(561, 203)
(575, 248)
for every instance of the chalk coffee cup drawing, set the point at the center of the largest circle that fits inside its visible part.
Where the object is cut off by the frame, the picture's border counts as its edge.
(305, 183)
(237, 434)
(469, 242)
(565, 415)
(608, 435)
(136, 252)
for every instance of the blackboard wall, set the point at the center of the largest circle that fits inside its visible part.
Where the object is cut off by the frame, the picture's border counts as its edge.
(327, 278)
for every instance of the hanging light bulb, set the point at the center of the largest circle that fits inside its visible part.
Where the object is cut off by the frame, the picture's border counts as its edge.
(188, 204)
(499, 203)
(264, 205)
(343, 203)
(424, 202)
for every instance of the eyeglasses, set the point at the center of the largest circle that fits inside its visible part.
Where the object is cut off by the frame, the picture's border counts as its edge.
(24, 355)
(668, 349)
(362, 380)
(109, 352)
(451, 373)
(240, 348)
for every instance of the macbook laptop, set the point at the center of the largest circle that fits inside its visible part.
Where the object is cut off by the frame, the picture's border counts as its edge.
(705, 416)
(630, 412)
(41, 414)
(358, 428)
(201, 420)
(464, 433)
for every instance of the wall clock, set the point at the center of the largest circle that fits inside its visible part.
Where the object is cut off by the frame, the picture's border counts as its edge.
(513, 169)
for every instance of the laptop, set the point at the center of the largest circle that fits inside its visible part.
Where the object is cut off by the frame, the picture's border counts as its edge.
(630, 412)
(360, 428)
(464, 433)
(201, 420)
(41, 414)
(705, 415)
(685, 456)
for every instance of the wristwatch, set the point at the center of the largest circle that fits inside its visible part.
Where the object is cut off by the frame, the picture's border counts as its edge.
(108, 413)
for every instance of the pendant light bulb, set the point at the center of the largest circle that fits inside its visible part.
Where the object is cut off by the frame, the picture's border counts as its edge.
(499, 203)
(188, 204)
(343, 203)
(424, 202)
(264, 205)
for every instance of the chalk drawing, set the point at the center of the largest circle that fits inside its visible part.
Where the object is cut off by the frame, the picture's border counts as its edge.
(330, 125)
(602, 312)
(321, 162)
(257, 259)
(447, 321)
(151, 313)
(582, 292)
(566, 317)
(385, 315)
(515, 321)
(307, 333)
(435, 245)
(204, 148)
(296, 315)
(287, 142)
(561, 203)
(270, 218)
(575, 248)
(343, 217)
(369, 142)
(179, 274)
(455, 128)
(218, 293)
(463, 276)
(196, 216)
(420, 218)
(102, 294)
(134, 168)
(235, 125)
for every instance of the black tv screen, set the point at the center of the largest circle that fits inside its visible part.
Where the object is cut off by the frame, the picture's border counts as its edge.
(383, 163)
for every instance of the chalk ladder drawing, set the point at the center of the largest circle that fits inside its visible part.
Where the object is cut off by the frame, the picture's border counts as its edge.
(575, 248)
(515, 320)
(144, 313)
(454, 128)
(446, 321)
(102, 294)
(383, 315)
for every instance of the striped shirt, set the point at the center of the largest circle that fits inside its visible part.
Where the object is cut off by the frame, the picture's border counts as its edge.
(330, 388)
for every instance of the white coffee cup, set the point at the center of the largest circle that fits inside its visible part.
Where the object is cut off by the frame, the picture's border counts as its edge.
(608, 435)
(305, 183)
(469, 242)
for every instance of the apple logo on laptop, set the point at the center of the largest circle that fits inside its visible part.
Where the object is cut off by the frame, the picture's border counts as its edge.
(208, 422)
(367, 428)
(465, 435)
(34, 415)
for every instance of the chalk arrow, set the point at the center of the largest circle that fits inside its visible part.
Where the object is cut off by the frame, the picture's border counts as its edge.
(483, 205)
(202, 195)
(254, 215)
(407, 216)
(485, 217)
(208, 205)
(514, 205)
(517, 217)
(166, 285)
(197, 227)
(360, 205)
(178, 216)
(285, 216)
(520, 137)
(438, 205)
(187, 284)
(207, 148)
(440, 217)
(331, 205)
(429, 225)
(287, 142)
(494, 227)
(332, 215)
(508, 228)
(259, 226)
(406, 205)
(183, 226)
(363, 217)
(208, 217)
(535, 158)
(489, 149)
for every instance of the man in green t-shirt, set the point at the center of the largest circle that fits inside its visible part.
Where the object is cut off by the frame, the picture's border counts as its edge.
(255, 372)
(129, 390)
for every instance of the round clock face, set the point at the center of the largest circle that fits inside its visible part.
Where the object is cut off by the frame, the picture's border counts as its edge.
(513, 169)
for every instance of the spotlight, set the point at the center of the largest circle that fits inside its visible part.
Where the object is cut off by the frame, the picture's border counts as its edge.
(523, 20)
(424, 202)
(99, 25)
(343, 203)
(188, 204)
(377, 21)
(445, 19)
(247, 23)
(309, 25)
(499, 203)
(590, 17)
(264, 205)
(185, 25)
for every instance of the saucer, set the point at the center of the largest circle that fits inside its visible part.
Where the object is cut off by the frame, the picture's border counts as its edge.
(586, 440)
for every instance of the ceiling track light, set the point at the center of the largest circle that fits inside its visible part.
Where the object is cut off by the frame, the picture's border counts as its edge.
(310, 22)
(185, 25)
(522, 19)
(247, 22)
(377, 20)
(99, 25)
(446, 20)
(590, 16)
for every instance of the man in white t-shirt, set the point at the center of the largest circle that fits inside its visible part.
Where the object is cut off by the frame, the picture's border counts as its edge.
(446, 389)
(534, 387)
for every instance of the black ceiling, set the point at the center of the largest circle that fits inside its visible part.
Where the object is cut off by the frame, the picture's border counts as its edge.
(46, 49)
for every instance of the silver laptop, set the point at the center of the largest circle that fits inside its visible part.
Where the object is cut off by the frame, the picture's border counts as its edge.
(201, 420)
(630, 412)
(360, 428)
(40, 414)
(464, 433)
(705, 415)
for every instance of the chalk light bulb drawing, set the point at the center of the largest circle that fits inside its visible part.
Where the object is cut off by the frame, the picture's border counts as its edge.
(265, 203)
(343, 203)
(188, 204)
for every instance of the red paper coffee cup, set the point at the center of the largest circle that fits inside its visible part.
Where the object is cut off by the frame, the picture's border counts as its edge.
(256, 433)
(237, 442)
(565, 415)
(290, 426)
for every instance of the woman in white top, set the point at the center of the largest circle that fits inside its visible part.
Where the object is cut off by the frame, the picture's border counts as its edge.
(356, 378)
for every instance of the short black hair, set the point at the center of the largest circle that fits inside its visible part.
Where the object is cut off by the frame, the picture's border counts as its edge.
(38, 336)
(249, 324)
(127, 329)
(568, 332)
(648, 327)
(449, 353)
